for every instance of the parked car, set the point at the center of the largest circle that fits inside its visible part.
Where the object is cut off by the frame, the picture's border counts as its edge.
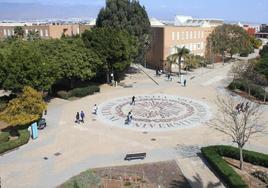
(41, 124)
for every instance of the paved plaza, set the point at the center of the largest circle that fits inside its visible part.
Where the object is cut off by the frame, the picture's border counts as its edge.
(65, 148)
(155, 112)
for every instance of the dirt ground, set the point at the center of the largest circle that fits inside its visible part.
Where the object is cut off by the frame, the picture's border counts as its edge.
(166, 174)
(249, 168)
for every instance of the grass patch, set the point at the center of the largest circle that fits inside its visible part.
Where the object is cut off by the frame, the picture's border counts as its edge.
(85, 179)
(23, 138)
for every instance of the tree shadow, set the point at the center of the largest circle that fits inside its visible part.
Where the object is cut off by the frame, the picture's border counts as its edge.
(195, 183)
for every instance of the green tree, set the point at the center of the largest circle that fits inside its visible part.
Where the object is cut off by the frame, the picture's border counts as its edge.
(264, 50)
(130, 16)
(115, 48)
(26, 108)
(177, 57)
(262, 66)
(229, 39)
(33, 35)
(19, 32)
(23, 65)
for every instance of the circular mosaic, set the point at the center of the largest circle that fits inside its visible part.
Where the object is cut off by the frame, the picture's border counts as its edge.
(154, 112)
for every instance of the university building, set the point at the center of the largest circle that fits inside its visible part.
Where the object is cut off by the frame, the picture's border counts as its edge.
(45, 31)
(184, 32)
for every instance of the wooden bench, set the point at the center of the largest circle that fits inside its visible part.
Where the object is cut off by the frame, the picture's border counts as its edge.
(135, 156)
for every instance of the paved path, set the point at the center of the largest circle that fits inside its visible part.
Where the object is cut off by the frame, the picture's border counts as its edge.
(94, 144)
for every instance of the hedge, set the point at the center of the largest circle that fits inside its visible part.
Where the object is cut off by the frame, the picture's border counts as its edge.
(255, 90)
(213, 154)
(79, 92)
(4, 137)
(24, 137)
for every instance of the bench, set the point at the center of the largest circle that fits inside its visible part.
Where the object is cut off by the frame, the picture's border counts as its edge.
(135, 156)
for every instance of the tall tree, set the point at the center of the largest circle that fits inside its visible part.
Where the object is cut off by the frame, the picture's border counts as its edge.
(229, 39)
(177, 57)
(240, 120)
(116, 48)
(26, 108)
(130, 16)
(22, 65)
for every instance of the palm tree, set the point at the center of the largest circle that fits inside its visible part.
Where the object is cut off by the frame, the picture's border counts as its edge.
(18, 32)
(33, 35)
(177, 57)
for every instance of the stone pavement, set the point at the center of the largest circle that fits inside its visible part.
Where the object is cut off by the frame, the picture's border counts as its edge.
(64, 148)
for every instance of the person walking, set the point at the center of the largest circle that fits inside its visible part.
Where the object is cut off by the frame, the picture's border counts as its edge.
(184, 82)
(95, 109)
(77, 119)
(133, 100)
(129, 117)
(82, 115)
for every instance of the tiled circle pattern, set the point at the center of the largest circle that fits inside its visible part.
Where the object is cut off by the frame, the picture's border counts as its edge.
(156, 112)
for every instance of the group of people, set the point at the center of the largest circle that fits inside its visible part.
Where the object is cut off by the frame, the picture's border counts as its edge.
(81, 116)
(241, 107)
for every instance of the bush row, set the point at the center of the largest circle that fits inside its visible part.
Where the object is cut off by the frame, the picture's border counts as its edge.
(255, 90)
(248, 156)
(4, 137)
(78, 92)
(225, 172)
(24, 137)
(214, 154)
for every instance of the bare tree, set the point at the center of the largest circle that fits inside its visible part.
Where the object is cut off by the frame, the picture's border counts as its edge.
(239, 119)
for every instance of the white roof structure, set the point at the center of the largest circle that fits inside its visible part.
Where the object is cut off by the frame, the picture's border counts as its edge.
(155, 22)
(11, 24)
(181, 20)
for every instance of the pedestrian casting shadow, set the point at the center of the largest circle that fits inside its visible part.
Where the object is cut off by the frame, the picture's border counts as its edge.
(195, 183)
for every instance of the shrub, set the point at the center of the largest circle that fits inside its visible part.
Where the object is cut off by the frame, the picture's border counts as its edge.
(226, 173)
(24, 137)
(84, 91)
(220, 166)
(255, 90)
(63, 94)
(4, 137)
(79, 92)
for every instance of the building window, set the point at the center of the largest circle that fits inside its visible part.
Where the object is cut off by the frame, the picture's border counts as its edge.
(191, 35)
(46, 33)
(12, 32)
(182, 35)
(202, 45)
(41, 33)
(191, 46)
(198, 35)
(26, 32)
(173, 35)
(194, 46)
(5, 32)
(186, 35)
(198, 46)
(178, 35)
(8, 32)
(78, 31)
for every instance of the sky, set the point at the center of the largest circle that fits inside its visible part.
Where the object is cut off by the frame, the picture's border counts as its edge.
(252, 11)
